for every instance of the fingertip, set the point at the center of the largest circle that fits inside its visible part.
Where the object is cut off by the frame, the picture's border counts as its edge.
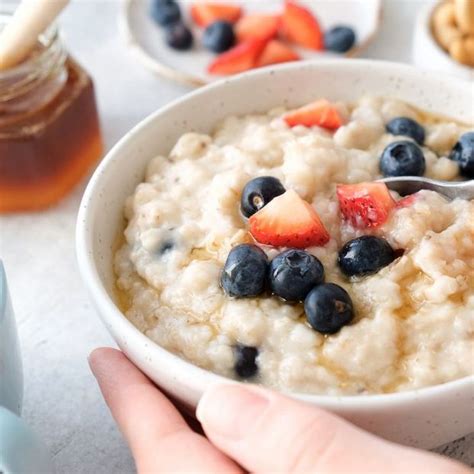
(208, 399)
(229, 410)
(154, 429)
(103, 357)
(215, 394)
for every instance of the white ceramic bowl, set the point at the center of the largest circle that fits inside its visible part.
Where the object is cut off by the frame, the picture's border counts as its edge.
(426, 418)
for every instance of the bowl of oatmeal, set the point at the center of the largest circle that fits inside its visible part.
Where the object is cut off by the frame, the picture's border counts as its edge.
(251, 240)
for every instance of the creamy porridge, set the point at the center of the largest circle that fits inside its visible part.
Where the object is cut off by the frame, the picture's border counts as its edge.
(412, 322)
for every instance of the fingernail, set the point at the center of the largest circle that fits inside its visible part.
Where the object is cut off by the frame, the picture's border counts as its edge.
(91, 365)
(231, 410)
(93, 360)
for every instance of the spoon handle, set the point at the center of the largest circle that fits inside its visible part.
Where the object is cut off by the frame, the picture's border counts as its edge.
(452, 190)
(20, 36)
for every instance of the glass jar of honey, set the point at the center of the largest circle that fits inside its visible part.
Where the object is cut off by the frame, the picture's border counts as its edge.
(49, 128)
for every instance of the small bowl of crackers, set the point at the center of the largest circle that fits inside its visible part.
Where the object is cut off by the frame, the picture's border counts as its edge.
(444, 37)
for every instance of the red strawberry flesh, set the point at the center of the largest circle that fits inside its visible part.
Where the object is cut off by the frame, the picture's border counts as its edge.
(276, 52)
(365, 205)
(321, 113)
(258, 26)
(240, 58)
(204, 13)
(300, 26)
(288, 221)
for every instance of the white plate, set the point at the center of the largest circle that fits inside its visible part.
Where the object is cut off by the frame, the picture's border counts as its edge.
(145, 37)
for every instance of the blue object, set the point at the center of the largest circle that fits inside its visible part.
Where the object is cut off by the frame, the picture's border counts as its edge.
(408, 128)
(21, 451)
(339, 39)
(365, 255)
(178, 36)
(165, 12)
(245, 361)
(11, 375)
(328, 308)
(258, 192)
(402, 158)
(218, 36)
(245, 271)
(463, 154)
(294, 273)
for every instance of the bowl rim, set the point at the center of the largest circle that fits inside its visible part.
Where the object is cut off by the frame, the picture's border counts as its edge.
(111, 314)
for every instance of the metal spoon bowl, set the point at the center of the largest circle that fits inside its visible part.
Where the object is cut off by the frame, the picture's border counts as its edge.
(405, 185)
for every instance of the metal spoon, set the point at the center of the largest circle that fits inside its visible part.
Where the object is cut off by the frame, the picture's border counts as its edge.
(405, 185)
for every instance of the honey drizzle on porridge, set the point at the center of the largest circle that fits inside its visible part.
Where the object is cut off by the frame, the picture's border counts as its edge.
(213, 252)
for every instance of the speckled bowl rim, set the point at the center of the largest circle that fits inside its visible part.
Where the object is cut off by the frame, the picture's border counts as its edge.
(183, 370)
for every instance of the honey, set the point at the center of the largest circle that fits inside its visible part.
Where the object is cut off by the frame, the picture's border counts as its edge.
(49, 128)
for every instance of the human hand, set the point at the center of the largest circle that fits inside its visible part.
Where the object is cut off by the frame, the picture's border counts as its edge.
(248, 429)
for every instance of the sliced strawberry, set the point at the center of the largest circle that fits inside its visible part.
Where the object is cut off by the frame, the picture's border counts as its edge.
(300, 26)
(288, 221)
(276, 52)
(240, 58)
(365, 204)
(321, 113)
(258, 26)
(204, 14)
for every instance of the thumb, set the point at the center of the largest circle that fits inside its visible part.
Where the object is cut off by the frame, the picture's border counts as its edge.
(267, 432)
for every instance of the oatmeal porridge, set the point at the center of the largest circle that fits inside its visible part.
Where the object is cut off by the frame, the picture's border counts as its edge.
(266, 252)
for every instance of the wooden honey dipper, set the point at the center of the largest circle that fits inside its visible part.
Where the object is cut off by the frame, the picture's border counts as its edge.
(21, 34)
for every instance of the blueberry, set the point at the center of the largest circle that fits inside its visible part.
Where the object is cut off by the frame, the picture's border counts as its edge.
(294, 273)
(245, 365)
(165, 12)
(402, 158)
(365, 255)
(165, 247)
(219, 36)
(328, 308)
(339, 39)
(244, 272)
(463, 153)
(408, 128)
(179, 36)
(258, 192)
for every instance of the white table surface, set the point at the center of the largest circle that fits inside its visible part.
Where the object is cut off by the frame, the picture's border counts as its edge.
(57, 324)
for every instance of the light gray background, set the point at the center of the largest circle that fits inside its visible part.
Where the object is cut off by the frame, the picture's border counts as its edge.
(57, 324)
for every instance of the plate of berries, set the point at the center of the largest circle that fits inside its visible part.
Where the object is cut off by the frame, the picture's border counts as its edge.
(196, 42)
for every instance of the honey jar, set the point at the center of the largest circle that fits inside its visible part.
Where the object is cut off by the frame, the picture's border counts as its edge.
(49, 127)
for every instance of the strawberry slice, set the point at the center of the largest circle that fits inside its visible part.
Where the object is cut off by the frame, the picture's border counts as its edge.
(258, 26)
(300, 26)
(276, 52)
(204, 14)
(240, 58)
(321, 113)
(288, 221)
(365, 204)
